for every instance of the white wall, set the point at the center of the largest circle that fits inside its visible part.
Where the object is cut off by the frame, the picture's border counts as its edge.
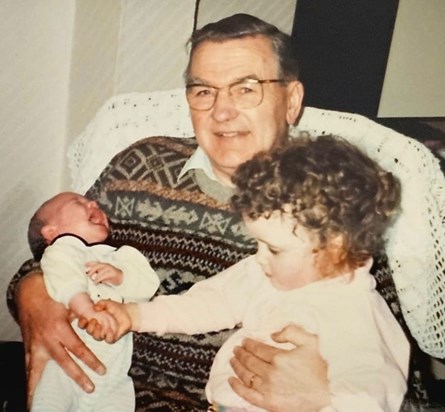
(280, 13)
(93, 60)
(152, 53)
(415, 76)
(35, 44)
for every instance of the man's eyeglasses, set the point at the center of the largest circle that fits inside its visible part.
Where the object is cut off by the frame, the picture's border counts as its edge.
(245, 94)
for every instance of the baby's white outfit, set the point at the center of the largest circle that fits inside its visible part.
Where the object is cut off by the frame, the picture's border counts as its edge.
(63, 265)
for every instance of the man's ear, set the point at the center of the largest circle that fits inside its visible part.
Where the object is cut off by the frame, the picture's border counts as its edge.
(295, 100)
(49, 232)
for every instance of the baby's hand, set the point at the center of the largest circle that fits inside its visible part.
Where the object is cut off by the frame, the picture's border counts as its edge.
(107, 324)
(125, 316)
(104, 272)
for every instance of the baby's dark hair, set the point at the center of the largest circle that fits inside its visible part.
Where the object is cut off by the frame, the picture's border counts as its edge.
(329, 186)
(36, 241)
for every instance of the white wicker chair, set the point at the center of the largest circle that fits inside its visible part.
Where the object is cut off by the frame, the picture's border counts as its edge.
(415, 244)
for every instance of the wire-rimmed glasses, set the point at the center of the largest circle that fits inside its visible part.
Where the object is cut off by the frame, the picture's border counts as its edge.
(245, 94)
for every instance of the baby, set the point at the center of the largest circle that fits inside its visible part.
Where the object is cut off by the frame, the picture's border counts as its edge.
(318, 209)
(67, 233)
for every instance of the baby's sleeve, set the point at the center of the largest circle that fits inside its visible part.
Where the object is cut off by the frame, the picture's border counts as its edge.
(140, 281)
(63, 270)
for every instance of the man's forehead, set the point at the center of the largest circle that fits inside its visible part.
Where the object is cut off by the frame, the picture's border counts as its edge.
(248, 53)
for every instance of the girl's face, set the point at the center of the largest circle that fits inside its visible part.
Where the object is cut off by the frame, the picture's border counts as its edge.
(285, 253)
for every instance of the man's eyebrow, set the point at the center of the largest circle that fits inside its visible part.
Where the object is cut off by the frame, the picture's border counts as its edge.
(199, 82)
(248, 77)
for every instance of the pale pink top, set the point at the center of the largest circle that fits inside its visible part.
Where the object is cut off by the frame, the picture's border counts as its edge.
(366, 350)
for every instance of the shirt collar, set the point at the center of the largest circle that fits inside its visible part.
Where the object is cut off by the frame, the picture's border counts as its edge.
(198, 160)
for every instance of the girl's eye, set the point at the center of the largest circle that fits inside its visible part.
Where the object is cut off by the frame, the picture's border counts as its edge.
(273, 251)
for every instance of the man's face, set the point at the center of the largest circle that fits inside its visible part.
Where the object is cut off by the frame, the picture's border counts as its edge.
(229, 135)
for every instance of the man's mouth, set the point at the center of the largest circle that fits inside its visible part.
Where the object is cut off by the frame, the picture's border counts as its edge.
(231, 134)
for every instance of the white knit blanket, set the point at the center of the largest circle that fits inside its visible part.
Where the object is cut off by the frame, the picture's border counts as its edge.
(415, 243)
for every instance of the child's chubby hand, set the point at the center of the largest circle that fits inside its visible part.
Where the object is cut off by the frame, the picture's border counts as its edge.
(107, 324)
(104, 273)
(126, 316)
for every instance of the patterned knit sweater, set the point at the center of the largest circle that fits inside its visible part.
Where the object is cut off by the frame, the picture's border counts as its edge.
(188, 233)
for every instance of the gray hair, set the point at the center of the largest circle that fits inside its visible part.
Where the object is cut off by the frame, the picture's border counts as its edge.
(240, 26)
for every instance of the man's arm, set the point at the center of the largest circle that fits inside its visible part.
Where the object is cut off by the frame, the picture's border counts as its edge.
(282, 380)
(47, 334)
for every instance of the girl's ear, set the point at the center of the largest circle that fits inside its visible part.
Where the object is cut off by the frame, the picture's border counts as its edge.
(49, 232)
(330, 259)
(336, 249)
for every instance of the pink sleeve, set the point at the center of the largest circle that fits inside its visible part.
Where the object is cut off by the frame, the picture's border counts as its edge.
(210, 305)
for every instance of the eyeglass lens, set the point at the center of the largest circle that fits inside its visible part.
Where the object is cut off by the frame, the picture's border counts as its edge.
(245, 95)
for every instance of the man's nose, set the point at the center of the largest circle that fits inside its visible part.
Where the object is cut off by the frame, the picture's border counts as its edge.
(224, 108)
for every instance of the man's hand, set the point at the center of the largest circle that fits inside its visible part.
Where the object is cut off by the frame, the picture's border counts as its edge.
(104, 272)
(47, 334)
(282, 380)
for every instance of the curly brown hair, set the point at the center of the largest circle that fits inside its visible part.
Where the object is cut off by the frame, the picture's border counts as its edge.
(330, 187)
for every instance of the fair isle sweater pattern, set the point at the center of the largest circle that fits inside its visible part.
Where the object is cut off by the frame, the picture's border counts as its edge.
(187, 236)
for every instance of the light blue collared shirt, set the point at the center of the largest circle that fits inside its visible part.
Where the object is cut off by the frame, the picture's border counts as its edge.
(199, 160)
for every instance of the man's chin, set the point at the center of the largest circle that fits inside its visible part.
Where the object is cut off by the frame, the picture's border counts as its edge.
(232, 162)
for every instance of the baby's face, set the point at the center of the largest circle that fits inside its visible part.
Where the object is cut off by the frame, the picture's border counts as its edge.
(72, 213)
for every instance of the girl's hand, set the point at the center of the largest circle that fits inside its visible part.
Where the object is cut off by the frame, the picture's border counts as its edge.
(108, 325)
(126, 316)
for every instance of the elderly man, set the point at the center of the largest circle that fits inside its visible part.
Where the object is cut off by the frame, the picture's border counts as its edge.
(168, 197)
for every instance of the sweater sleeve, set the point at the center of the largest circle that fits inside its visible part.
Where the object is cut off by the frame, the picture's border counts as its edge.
(140, 281)
(210, 305)
(28, 267)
